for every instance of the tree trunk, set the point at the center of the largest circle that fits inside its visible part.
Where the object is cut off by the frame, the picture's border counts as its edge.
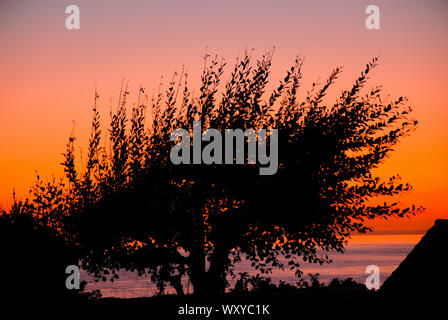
(176, 283)
(197, 256)
(218, 269)
(197, 269)
(212, 282)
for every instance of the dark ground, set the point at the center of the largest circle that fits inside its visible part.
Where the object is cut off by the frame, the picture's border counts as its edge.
(323, 304)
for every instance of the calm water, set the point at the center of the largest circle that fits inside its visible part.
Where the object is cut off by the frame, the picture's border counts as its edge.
(385, 251)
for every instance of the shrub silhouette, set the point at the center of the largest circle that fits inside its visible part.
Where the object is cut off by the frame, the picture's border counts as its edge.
(34, 258)
(261, 284)
(130, 207)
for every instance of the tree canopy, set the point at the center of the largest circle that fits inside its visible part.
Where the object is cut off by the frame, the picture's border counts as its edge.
(130, 207)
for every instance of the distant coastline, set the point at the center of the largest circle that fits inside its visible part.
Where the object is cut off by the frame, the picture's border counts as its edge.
(386, 251)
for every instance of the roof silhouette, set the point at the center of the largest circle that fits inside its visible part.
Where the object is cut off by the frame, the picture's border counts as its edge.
(422, 272)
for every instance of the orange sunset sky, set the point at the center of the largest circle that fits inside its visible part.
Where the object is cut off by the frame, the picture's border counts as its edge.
(48, 74)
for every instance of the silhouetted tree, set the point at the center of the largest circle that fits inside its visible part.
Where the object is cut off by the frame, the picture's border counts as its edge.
(132, 208)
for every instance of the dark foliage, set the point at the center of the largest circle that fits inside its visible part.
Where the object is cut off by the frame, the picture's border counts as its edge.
(33, 258)
(132, 208)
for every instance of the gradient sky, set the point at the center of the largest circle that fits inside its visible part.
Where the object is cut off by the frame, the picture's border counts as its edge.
(48, 74)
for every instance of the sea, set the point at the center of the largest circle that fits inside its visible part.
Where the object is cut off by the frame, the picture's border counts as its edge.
(384, 251)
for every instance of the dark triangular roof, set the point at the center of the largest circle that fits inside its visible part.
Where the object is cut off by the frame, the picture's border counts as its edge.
(424, 269)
